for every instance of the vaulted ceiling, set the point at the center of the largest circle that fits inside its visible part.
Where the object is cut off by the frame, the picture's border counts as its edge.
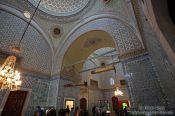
(36, 54)
(84, 25)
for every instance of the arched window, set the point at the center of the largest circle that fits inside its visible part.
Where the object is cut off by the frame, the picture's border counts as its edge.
(112, 81)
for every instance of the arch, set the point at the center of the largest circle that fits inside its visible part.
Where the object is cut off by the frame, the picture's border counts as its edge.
(85, 45)
(96, 17)
(123, 35)
(115, 103)
(83, 104)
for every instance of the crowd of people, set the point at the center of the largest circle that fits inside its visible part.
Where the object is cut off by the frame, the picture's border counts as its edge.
(42, 112)
(121, 112)
(73, 112)
(96, 111)
(103, 108)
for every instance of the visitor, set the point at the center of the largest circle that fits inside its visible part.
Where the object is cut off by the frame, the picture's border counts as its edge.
(93, 110)
(36, 113)
(116, 112)
(103, 113)
(67, 110)
(72, 113)
(86, 113)
(51, 112)
(77, 111)
(121, 112)
(125, 111)
(61, 112)
(39, 111)
(83, 112)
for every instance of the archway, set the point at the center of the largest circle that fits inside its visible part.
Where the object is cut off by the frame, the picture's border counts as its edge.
(102, 73)
(122, 34)
(80, 50)
(115, 103)
(103, 32)
(83, 104)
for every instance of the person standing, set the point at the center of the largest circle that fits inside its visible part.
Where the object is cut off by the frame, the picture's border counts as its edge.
(77, 111)
(67, 111)
(72, 113)
(51, 112)
(39, 111)
(93, 110)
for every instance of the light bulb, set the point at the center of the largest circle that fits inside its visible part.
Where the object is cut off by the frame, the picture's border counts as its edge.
(16, 72)
(118, 92)
(27, 14)
(8, 80)
(7, 67)
(3, 72)
(17, 77)
(11, 71)
(18, 83)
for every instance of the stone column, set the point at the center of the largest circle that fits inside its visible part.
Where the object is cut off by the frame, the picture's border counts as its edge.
(53, 91)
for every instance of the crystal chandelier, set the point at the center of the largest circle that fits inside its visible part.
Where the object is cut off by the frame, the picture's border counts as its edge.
(118, 92)
(9, 77)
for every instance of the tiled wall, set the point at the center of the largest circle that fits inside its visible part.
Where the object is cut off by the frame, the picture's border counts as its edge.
(40, 88)
(94, 95)
(39, 94)
(67, 92)
(143, 83)
(164, 69)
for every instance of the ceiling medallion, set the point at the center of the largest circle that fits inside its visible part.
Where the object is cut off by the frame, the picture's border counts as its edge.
(56, 31)
(27, 14)
(92, 42)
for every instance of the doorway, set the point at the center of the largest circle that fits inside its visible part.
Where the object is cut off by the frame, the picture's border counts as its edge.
(83, 104)
(70, 102)
(115, 103)
(14, 104)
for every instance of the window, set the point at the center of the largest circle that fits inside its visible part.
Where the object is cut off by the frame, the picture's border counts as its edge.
(112, 81)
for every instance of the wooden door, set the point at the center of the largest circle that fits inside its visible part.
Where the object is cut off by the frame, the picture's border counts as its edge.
(14, 103)
(83, 103)
(115, 103)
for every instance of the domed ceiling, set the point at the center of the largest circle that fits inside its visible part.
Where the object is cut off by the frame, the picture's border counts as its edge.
(61, 7)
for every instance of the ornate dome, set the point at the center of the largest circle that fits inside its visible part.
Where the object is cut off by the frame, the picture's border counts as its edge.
(61, 7)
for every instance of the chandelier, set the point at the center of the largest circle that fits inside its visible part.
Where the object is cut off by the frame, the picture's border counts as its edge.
(9, 77)
(118, 92)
